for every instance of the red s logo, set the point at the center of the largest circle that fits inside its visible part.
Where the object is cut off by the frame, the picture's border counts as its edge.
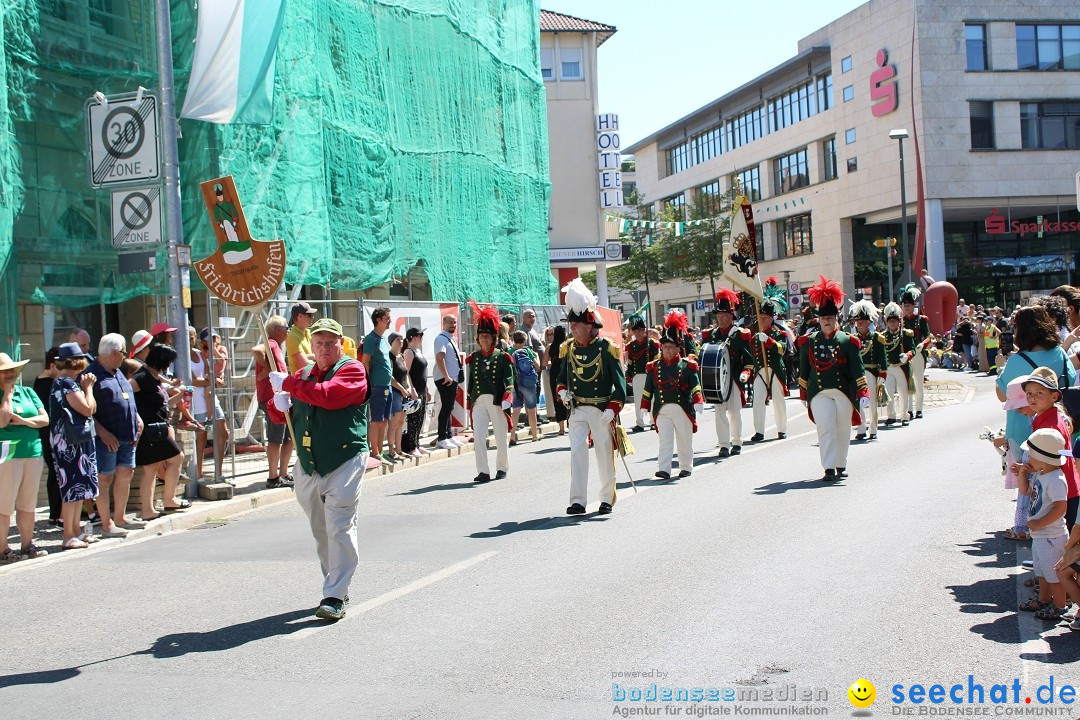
(884, 94)
(995, 224)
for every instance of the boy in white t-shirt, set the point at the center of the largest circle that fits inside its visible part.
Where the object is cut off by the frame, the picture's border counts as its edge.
(1041, 478)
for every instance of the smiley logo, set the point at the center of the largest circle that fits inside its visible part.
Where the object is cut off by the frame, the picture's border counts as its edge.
(862, 693)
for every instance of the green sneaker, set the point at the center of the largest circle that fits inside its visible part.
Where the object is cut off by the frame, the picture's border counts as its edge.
(330, 609)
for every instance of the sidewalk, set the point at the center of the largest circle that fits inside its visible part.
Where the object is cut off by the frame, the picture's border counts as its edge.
(249, 492)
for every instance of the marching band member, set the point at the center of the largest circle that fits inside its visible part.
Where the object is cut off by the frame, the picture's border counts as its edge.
(863, 313)
(673, 396)
(919, 325)
(491, 385)
(639, 352)
(591, 383)
(770, 375)
(899, 349)
(736, 343)
(831, 380)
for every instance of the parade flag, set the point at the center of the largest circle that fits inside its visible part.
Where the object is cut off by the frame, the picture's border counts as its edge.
(743, 262)
(7, 450)
(232, 73)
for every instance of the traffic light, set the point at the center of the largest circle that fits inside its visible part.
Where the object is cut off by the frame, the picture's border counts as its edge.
(882, 242)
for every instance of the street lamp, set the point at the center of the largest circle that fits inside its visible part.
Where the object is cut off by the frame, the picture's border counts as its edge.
(899, 135)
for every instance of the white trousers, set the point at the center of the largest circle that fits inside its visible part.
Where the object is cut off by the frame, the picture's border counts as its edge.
(675, 427)
(918, 367)
(896, 383)
(639, 388)
(728, 420)
(832, 416)
(330, 503)
(779, 402)
(484, 413)
(584, 420)
(870, 414)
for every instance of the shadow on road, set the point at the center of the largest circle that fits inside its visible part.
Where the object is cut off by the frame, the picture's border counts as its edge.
(1001, 553)
(436, 488)
(231, 636)
(546, 451)
(42, 677)
(646, 482)
(548, 523)
(1063, 649)
(779, 488)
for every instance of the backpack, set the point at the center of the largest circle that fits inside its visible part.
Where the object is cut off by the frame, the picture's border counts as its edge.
(524, 364)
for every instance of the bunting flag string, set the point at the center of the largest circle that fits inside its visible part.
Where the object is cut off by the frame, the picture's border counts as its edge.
(679, 227)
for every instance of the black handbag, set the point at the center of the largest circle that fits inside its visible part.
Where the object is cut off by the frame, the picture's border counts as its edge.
(155, 432)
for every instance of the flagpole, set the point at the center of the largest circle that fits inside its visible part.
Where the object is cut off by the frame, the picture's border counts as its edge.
(174, 220)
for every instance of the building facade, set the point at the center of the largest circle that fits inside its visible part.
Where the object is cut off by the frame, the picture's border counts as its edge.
(568, 50)
(989, 96)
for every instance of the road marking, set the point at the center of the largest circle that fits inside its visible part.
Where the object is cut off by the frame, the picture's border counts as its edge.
(1029, 627)
(402, 591)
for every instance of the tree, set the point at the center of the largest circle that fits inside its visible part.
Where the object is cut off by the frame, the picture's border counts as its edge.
(699, 253)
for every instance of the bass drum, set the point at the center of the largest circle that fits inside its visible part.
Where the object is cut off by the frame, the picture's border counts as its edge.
(717, 382)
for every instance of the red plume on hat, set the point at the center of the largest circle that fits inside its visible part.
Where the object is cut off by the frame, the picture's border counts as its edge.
(486, 318)
(676, 324)
(771, 280)
(827, 296)
(727, 300)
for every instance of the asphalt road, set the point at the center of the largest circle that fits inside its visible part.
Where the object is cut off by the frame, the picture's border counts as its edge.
(488, 602)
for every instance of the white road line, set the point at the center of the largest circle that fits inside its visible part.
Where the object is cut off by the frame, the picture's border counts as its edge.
(402, 591)
(1031, 630)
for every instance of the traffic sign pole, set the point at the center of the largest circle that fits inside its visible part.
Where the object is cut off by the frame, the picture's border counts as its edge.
(174, 222)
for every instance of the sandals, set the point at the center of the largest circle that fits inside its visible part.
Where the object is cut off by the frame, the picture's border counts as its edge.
(31, 551)
(1032, 605)
(1013, 534)
(88, 538)
(74, 543)
(1050, 612)
(184, 505)
(9, 556)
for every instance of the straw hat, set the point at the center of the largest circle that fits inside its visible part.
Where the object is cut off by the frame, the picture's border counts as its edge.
(1047, 445)
(6, 363)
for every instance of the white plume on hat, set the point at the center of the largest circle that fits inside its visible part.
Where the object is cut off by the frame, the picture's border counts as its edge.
(579, 299)
(892, 310)
(863, 309)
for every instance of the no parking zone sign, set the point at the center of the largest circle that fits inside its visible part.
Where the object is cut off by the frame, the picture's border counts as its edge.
(136, 217)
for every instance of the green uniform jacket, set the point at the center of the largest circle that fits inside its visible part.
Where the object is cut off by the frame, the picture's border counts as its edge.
(920, 326)
(490, 375)
(873, 353)
(689, 346)
(832, 364)
(896, 346)
(640, 355)
(773, 350)
(678, 382)
(593, 374)
(738, 343)
(327, 438)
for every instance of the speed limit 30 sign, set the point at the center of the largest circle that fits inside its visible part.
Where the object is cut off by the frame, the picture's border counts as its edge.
(122, 139)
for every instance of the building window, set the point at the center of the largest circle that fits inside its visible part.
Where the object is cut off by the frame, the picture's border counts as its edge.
(1048, 47)
(849, 93)
(790, 172)
(845, 64)
(547, 64)
(975, 40)
(750, 182)
(705, 145)
(982, 124)
(570, 64)
(828, 152)
(744, 128)
(678, 158)
(852, 164)
(795, 236)
(676, 201)
(823, 87)
(712, 188)
(1050, 125)
(849, 136)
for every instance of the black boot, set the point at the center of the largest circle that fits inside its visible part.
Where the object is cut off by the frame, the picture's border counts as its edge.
(830, 476)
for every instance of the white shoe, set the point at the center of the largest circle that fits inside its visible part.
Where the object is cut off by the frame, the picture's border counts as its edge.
(446, 444)
(458, 443)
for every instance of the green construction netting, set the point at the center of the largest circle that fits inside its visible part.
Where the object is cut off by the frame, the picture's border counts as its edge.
(403, 132)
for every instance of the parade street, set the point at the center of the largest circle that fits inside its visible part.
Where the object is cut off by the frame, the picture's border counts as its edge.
(487, 601)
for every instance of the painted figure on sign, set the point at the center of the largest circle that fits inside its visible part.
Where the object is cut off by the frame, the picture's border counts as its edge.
(234, 250)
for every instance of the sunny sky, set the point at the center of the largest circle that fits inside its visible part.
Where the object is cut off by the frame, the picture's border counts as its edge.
(670, 58)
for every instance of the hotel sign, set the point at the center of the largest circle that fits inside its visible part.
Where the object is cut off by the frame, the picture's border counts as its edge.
(609, 161)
